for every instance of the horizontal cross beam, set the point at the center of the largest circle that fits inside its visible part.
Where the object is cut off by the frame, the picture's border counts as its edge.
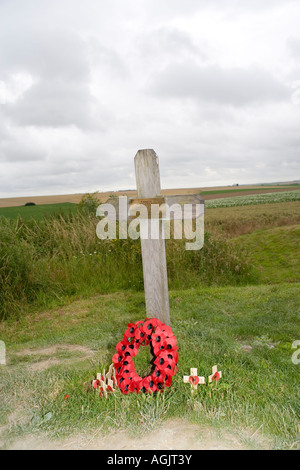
(175, 207)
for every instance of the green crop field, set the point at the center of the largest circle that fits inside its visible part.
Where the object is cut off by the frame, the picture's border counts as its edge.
(241, 190)
(38, 211)
(268, 198)
(66, 298)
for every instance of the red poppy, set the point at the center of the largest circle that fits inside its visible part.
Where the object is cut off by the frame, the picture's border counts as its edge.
(129, 333)
(167, 331)
(168, 381)
(171, 356)
(121, 346)
(119, 359)
(149, 384)
(124, 386)
(119, 366)
(127, 370)
(66, 396)
(169, 344)
(150, 324)
(139, 335)
(158, 337)
(135, 384)
(131, 350)
(194, 380)
(96, 383)
(158, 348)
(166, 361)
(160, 386)
(216, 376)
(159, 375)
(164, 347)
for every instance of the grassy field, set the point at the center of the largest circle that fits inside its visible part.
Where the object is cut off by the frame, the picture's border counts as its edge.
(248, 331)
(222, 191)
(37, 212)
(239, 220)
(275, 252)
(234, 303)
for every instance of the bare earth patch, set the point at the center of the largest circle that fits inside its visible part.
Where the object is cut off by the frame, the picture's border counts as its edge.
(51, 351)
(172, 435)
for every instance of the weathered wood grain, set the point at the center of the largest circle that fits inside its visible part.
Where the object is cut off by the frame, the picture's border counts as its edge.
(153, 251)
(175, 207)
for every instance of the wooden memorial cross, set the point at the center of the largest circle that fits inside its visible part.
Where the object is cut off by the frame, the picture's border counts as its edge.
(105, 382)
(194, 379)
(153, 246)
(216, 375)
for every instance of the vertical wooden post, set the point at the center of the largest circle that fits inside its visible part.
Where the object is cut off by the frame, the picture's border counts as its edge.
(153, 251)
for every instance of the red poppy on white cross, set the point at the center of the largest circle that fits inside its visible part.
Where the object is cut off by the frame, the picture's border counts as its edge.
(194, 379)
(216, 375)
(105, 382)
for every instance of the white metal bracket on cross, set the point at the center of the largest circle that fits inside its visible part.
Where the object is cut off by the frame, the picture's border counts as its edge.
(194, 379)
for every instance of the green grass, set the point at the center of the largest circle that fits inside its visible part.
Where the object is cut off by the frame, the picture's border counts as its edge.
(239, 220)
(275, 252)
(259, 389)
(234, 303)
(37, 212)
(48, 262)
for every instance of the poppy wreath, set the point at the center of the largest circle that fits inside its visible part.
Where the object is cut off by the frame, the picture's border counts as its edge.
(163, 344)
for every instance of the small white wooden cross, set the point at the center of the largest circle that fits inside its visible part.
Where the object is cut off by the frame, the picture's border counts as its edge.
(105, 382)
(194, 379)
(216, 375)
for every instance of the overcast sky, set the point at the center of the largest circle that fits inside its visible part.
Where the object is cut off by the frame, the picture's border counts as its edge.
(212, 86)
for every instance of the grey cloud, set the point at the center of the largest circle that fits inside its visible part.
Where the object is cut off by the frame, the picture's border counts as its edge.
(50, 177)
(107, 58)
(168, 41)
(17, 146)
(128, 54)
(175, 8)
(293, 46)
(18, 152)
(47, 52)
(57, 60)
(53, 103)
(234, 86)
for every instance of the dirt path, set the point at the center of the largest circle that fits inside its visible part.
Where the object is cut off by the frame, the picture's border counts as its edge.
(51, 352)
(172, 435)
